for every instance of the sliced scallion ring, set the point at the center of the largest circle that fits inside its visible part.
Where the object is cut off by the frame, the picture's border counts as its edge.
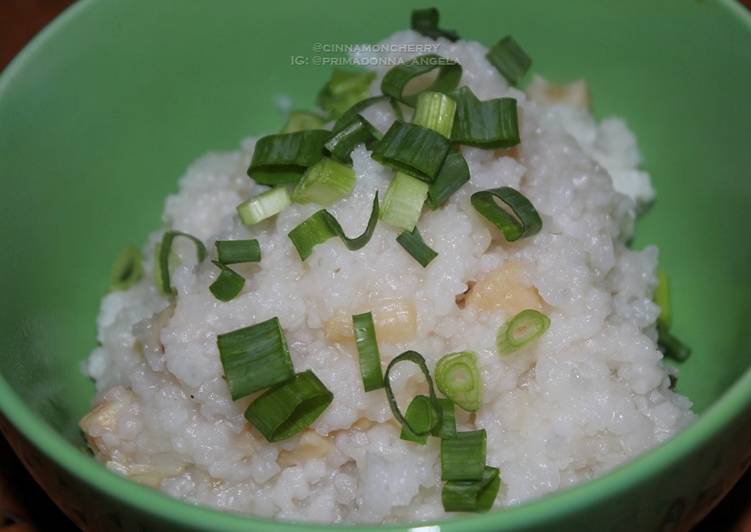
(412, 149)
(360, 106)
(263, 206)
(403, 201)
(282, 158)
(289, 407)
(458, 378)
(453, 175)
(344, 89)
(254, 357)
(325, 183)
(421, 414)
(671, 346)
(165, 248)
(228, 284)
(472, 495)
(425, 22)
(302, 121)
(488, 124)
(463, 456)
(127, 270)
(397, 79)
(353, 133)
(413, 243)
(447, 426)
(367, 349)
(525, 327)
(237, 251)
(435, 111)
(417, 359)
(523, 221)
(509, 59)
(322, 226)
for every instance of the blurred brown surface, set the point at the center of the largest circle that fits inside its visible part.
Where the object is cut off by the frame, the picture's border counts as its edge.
(25, 507)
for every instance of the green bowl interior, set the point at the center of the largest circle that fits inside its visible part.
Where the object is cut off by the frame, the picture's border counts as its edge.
(102, 113)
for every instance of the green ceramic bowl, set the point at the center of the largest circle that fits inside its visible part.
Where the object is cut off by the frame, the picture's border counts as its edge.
(103, 111)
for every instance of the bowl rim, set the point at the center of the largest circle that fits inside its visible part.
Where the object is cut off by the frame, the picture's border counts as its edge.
(733, 402)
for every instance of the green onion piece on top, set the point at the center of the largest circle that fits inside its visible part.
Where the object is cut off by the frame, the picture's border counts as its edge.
(302, 121)
(237, 251)
(344, 89)
(413, 243)
(282, 158)
(435, 111)
(322, 226)
(425, 22)
(446, 428)
(254, 357)
(289, 407)
(367, 349)
(458, 378)
(662, 299)
(395, 82)
(422, 415)
(417, 359)
(324, 183)
(360, 106)
(228, 284)
(463, 456)
(672, 347)
(263, 206)
(453, 175)
(412, 149)
(165, 249)
(520, 330)
(403, 201)
(127, 270)
(489, 124)
(343, 141)
(509, 59)
(472, 495)
(523, 221)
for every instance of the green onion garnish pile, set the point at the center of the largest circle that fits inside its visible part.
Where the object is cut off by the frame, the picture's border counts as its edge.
(307, 163)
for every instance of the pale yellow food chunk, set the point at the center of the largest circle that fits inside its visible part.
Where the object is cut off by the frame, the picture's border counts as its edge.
(575, 93)
(504, 289)
(311, 446)
(395, 321)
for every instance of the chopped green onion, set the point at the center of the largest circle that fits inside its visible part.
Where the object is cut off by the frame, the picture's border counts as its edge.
(422, 416)
(435, 111)
(345, 140)
(322, 225)
(343, 90)
(281, 159)
(415, 358)
(520, 330)
(413, 243)
(412, 149)
(165, 249)
(263, 206)
(289, 407)
(397, 79)
(237, 251)
(489, 124)
(525, 220)
(447, 426)
(127, 270)
(228, 284)
(509, 58)
(452, 176)
(472, 495)
(458, 378)
(367, 349)
(302, 121)
(324, 183)
(425, 22)
(360, 106)
(463, 456)
(672, 347)
(254, 357)
(403, 201)
(662, 299)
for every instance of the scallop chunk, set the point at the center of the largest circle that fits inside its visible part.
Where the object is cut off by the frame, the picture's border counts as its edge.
(575, 93)
(311, 446)
(395, 321)
(504, 289)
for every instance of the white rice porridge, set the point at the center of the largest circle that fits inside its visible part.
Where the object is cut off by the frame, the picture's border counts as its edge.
(592, 393)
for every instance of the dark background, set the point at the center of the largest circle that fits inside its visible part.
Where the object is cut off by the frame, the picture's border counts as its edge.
(24, 507)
